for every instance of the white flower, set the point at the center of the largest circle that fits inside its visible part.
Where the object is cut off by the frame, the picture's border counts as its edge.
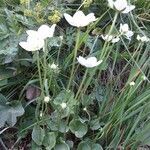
(84, 109)
(110, 38)
(121, 5)
(43, 32)
(132, 83)
(79, 19)
(89, 62)
(46, 99)
(107, 38)
(41, 114)
(35, 39)
(63, 105)
(144, 77)
(32, 44)
(53, 66)
(142, 38)
(61, 37)
(124, 30)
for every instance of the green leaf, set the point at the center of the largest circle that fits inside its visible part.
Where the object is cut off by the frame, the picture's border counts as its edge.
(87, 145)
(78, 128)
(34, 146)
(84, 146)
(49, 140)
(54, 41)
(9, 111)
(97, 147)
(4, 33)
(63, 96)
(55, 126)
(95, 124)
(62, 146)
(38, 135)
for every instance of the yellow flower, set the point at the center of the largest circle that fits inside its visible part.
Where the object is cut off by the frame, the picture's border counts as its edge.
(38, 7)
(28, 12)
(23, 2)
(87, 3)
(55, 17)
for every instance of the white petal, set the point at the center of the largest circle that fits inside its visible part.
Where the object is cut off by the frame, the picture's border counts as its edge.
(99, 62)
(69, 19)
(25, 46)
(79, 19)
(120, 5)
(115, 40)
(79, 14)
(91, 17)
(111, 3)
(124, 28)
(92, 62)
(145, 39)
(129, 34)
(81, 60)
(89, 62)
(138, 38)
(32, 33)
(45, 31)
(107, 38)
(32, 44)
(128, 9)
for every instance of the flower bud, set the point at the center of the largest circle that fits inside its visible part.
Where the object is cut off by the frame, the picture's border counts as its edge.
(63, 105)
(132, 83)
(46, 99)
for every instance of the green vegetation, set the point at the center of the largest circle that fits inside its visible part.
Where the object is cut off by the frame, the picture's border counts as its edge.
(50, 98)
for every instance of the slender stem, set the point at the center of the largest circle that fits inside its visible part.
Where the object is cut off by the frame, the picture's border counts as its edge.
(41, 87)
(45, 71)
(58, 55)
(39, 72)
(74, 58)
(80, 87)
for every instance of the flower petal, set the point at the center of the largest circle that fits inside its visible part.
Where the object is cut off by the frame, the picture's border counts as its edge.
(91, 17)
(129, 34)
(25, 46)
(32, 33)
(120, 5)
(78, 14)
(115, 40)
(69, 19)
(45, 31)
(128, 9)
(111, 3)
(81, 60)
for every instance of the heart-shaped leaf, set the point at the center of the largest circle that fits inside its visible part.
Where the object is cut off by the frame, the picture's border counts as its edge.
(78, 128)
(38, 135)
(9, 111)
(49, 140)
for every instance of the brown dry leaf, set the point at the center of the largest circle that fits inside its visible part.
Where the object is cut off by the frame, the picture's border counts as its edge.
(32, 92)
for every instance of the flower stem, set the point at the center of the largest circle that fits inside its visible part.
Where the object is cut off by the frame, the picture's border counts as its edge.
(41, 87)
(74, 59)
(80, 87)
